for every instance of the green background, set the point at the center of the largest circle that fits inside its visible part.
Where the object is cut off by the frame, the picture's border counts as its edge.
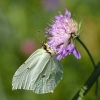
(20, 21)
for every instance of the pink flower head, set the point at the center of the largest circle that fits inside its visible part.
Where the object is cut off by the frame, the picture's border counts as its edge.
(63, 31)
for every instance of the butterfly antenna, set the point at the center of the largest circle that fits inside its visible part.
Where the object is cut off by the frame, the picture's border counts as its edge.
(39, 37)
(38, 33)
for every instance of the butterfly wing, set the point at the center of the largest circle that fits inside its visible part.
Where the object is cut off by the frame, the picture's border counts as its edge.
(40, 73)
(49, 77)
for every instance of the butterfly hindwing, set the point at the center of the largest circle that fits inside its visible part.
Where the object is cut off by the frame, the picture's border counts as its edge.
(50, 76)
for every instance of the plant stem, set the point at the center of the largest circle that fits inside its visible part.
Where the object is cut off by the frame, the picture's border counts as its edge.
(91, 58)
(88, 84)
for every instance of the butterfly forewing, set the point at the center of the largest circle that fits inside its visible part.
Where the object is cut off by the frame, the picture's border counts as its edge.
(30, 70)
(40, 73)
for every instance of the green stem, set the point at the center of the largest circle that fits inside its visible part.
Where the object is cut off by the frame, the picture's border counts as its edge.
(88, 84)
(91, 58)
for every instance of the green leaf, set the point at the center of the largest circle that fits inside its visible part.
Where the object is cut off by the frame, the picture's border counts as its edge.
(80, 24)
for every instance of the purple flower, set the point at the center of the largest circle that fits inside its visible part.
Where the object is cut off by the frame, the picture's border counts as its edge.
(63, 31)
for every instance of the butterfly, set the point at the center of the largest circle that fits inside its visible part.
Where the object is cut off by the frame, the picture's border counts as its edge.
(41, 72)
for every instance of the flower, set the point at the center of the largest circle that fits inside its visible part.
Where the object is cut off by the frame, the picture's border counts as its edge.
(61, 35)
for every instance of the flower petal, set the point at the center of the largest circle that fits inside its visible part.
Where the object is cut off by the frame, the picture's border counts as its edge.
(76, 54)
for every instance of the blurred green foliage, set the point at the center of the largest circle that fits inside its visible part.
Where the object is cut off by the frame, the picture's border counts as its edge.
(20, 20)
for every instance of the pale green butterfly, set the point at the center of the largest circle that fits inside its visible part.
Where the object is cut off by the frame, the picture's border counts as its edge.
(41, 72)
